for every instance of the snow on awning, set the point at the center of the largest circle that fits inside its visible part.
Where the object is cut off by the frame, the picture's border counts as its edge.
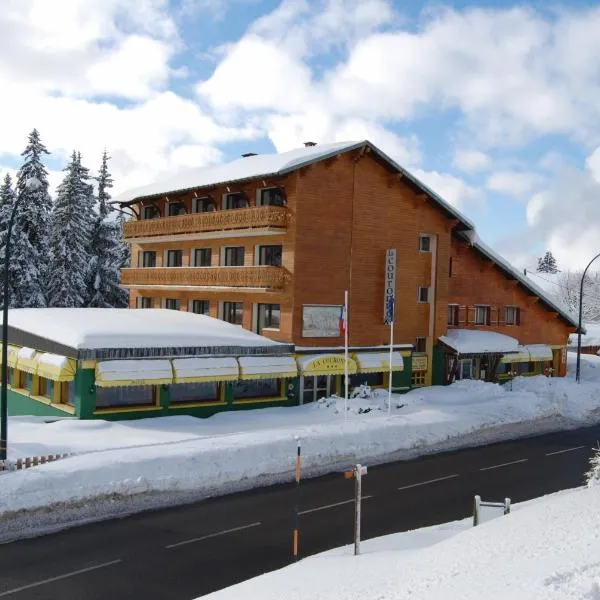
(26, 360)
(56, 367)
(522, 355)
(196, 370)
(473, 341)
(539, 352)
(267, 367)
(325, 364)
(119, 373)
(11, 355)
(377, 362)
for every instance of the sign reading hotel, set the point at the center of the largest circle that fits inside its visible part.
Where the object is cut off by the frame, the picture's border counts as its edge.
(389, 291)
(320, 321)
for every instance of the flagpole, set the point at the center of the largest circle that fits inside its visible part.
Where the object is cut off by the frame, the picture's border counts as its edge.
(390, 375)
(346, 354)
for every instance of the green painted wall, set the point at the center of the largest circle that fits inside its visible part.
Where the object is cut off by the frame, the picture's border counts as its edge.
(401, 379)
(437, 373)
(85, 393)
(19, 405)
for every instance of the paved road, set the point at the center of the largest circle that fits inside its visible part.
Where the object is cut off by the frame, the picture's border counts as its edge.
(184, 552)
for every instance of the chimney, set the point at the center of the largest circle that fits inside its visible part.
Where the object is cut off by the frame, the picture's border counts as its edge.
(247, 154)
(309, 144)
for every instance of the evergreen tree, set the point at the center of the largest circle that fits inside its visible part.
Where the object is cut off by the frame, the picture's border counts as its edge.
(69, 237)
(105, 182)
(547, 264)
(33, 220)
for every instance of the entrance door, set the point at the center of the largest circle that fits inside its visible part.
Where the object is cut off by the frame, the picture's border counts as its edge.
(316, 387)
(465, 369)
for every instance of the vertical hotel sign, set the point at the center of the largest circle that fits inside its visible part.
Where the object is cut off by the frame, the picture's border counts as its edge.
(389, 293)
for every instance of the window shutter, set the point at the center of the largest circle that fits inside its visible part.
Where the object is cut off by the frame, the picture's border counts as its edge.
(519, 316)
(462, 310)
(488, 315)
(501, 315)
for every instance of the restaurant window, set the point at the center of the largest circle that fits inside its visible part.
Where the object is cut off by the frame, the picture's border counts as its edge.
(512, 315)
(151, 212)
(453, 314)
(503, 368)
(68, 392)
(144, 302)
(421, 345)
(200, 307)
(268, 316)
(233, 312)
(174, 258)
(173, 303)
(234, 256)
(236, 200)
(131, 395)
(482, 315)
(423, 295)
(46, 388)
(256, 388)
(525, 367)
(176, 208)
(370, 379)
(425, 243)
(271, 197)
(202, 205)
(202, 257)
(270, 255)
(148, 258)
(417, 378)
(205, 391)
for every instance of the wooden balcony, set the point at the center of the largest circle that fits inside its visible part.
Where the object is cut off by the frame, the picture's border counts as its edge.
(252, 277)
(256, 217)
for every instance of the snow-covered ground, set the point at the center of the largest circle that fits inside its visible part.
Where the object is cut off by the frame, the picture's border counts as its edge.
(238, 450)
(546, 548)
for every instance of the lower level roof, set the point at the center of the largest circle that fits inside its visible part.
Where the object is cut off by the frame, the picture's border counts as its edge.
(472, 341)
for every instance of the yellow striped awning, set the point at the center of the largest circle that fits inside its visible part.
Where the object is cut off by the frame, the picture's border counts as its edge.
(325, 364)
(539, 352)
(197, 370)
(121, 373)
(267, 367)
(521, 355)
(56, 367)
(378, 362)
(12, 355)
(26, 360)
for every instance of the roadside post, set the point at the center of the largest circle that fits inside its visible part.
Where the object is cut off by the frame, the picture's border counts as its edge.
(295, 541)
(478, 503)
(357, 472)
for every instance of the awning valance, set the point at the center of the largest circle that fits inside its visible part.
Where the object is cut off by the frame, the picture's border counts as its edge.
(56, 367)
(26, 360)
(325, 364)
(196, 370)
(539, 352)
(377, 362)
(119, 373)
(521, 356)
(12, 352)
(267, 367)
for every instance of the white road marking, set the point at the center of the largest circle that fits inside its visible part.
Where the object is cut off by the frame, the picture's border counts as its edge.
(213, 535)
(563, 451)
(59, 577)
(312, 510)
(514, 462)
(413, 485)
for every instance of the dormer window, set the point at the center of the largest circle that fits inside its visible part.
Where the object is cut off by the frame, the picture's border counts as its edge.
(273, 196)
(204, 204)
(235, 200)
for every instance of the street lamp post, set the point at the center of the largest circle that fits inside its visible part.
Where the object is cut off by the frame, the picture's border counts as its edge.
(32, 183)
(578, 368)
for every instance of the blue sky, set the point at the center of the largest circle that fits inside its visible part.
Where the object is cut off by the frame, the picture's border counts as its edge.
(493, 104)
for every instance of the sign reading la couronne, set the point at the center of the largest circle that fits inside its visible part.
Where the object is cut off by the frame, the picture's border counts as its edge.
(326, 363)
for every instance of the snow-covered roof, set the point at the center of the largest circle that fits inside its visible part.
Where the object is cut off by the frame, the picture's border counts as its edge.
(591, 337)
(271, 165)
(128, 333)
(471, 341)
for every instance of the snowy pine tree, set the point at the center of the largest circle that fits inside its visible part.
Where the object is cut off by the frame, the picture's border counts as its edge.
(547, 264)
(592, 477)
(69, 237)
(104, 274)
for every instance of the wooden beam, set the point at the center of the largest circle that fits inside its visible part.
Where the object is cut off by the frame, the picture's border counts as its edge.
(451, 224)
(328, 162)
(420, 199)
(393, 179)
(360, 153)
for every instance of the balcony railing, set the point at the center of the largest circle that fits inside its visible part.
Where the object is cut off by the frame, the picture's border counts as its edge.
(220, 220)
(258, 277)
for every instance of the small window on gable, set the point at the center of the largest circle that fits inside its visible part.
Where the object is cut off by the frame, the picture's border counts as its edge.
(453, 314)
(204, 204)
(235, 200)
(424, 243)
(423, 295)
(421, 345)
(273, 196)
(512, 315)
(482, 315)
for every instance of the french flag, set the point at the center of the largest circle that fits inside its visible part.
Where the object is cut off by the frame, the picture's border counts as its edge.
(343, 320)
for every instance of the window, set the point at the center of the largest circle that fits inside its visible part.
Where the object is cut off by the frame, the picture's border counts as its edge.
(173, 303)
(132, 395)
(200, 307)
(424, 243)
(503, 368)
(46, 388)
(148, 258)
(206, 391)
(421, 345)
(176, 208)
(512, 315)
(270, 255)
(453, 314)
(202, 257)
(68, 392)
(271, 197)
(144, 302)
(204, 205)
(466, 368)
(233, 312)
(482, 315)
(174, 258)
(525, 367)
(256, 388)
(370, 379)
(237, 200)
(417, 378)
(234, 256)
(268, 316)
(151, 212)
(423, 294)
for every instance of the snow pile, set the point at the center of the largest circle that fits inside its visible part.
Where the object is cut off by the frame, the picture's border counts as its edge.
(241, 449)
(547, 548)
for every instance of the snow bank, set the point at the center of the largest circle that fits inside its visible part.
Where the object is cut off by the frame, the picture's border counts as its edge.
(546, 548)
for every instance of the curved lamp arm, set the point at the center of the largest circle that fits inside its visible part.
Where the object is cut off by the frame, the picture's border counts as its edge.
(578, 368)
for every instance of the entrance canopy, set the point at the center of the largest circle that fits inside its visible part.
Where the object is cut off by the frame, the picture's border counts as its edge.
(378, 362)
(472, 342)
(325, 364)
(531, 353)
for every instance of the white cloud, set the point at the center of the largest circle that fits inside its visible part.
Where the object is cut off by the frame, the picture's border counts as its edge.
(513, 183)
(471, 161)
(451, 188)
